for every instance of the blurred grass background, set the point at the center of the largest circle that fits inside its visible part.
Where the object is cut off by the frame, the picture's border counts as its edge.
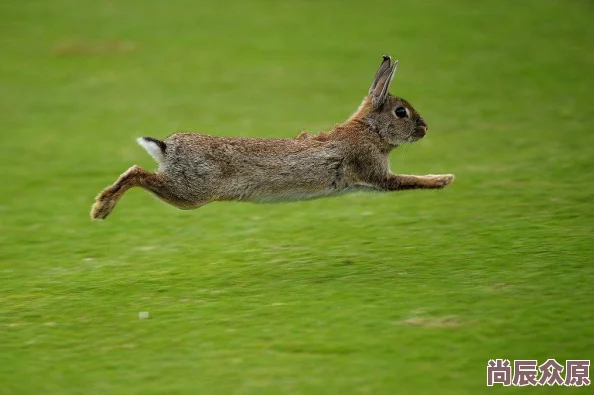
(397, 293)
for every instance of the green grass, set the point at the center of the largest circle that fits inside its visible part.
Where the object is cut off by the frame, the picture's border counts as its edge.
(380, 294)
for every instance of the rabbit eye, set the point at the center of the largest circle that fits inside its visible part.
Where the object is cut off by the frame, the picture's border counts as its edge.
(401, 112)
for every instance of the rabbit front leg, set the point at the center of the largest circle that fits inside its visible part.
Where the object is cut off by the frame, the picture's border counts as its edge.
(401, 182)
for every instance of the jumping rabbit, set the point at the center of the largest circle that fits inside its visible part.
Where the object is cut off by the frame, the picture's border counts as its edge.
(196, 169)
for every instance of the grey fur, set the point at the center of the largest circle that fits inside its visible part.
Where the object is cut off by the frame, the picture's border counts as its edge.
(196, 169)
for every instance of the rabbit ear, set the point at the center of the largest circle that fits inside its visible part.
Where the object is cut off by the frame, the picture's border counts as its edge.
(384, 66)
(381, 82)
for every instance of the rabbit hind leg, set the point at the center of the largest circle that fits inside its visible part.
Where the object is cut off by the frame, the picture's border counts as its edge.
(137, 177)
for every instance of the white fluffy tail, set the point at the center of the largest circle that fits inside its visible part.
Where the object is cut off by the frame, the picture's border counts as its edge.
(155, 148)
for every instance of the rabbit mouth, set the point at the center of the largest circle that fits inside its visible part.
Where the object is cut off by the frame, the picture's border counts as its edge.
(417, 135)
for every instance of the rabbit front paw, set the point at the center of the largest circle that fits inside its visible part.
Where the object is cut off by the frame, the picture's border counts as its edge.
(441, 180)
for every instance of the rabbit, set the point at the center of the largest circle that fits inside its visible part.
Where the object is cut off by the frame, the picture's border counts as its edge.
(195, 169)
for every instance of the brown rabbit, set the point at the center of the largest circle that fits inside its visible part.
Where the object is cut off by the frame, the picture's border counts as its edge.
(196, 169)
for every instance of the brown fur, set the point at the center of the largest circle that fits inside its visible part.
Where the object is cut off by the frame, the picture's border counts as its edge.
(195, 169)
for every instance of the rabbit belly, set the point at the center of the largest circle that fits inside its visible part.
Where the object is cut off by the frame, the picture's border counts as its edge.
(293, 196)
(285, 182)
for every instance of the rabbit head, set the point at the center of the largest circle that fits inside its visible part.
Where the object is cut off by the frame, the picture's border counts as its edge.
(393, 118)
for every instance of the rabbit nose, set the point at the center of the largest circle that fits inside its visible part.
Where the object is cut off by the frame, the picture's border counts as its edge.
(423, 124)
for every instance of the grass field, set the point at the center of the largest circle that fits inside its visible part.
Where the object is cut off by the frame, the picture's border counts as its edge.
(366, 294)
